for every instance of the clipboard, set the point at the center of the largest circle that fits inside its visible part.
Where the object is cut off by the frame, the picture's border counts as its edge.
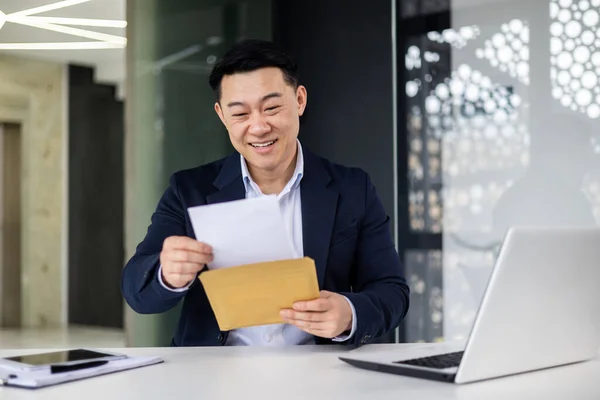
(254, 294)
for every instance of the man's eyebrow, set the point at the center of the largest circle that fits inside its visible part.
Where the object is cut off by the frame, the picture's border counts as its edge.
(272, 95)
(267, 97)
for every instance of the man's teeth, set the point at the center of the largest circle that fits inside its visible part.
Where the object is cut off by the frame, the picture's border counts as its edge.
(263, 144)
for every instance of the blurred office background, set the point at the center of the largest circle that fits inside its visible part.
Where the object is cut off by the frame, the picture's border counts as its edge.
(470, 115)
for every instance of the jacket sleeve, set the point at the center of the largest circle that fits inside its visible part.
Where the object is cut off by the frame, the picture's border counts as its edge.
(139, 282)
(380, 293)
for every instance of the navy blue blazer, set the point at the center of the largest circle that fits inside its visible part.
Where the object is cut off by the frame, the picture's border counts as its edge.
(345, 230)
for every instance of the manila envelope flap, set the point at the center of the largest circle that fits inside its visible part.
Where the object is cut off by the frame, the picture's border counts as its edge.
(254, 294)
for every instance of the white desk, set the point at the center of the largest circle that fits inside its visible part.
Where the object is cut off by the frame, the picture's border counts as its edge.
(299, 373)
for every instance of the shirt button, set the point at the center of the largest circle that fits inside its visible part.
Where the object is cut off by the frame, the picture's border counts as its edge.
(220, 337)
(269, 338)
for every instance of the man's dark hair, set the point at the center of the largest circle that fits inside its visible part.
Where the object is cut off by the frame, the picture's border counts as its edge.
(250, 55)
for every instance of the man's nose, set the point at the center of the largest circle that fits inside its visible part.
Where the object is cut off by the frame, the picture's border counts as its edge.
(258, 125)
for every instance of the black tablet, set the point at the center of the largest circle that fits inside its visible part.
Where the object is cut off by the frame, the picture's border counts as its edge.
(62, 357)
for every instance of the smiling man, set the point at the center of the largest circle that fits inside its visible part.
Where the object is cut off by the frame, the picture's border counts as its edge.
(332, 212)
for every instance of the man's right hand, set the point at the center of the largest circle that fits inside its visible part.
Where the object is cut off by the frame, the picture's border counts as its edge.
(182, 258)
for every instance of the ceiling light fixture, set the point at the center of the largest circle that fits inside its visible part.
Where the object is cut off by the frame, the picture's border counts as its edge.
(56, 24)
(60, 46)
(106, 23)
(69, 30)
(48, 7)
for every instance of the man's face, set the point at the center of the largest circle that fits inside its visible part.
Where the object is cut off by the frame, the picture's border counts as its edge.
(261, 113)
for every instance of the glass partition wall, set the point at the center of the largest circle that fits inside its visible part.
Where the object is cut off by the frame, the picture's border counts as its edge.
(501, 114)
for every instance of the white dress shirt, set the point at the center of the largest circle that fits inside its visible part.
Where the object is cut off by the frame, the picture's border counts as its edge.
(291, 211)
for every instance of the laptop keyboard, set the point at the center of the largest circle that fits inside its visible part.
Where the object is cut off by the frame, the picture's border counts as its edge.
(438, 362)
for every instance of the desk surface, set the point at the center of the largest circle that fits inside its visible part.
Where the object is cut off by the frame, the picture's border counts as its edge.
(302, 372)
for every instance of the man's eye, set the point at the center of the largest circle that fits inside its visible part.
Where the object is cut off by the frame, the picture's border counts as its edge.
(272, 108)
(239, 115)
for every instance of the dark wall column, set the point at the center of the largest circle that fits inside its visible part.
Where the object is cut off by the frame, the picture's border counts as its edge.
(96, 134)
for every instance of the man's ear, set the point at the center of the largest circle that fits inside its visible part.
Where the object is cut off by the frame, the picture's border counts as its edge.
(301, 98)
(219, 112)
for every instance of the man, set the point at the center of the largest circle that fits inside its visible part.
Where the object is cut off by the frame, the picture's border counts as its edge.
(332, 212)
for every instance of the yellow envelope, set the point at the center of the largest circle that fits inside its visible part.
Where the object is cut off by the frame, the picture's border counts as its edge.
(254, 294)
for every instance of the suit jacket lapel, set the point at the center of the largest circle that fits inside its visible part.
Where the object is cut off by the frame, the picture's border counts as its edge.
(319, 203)
(229, 182)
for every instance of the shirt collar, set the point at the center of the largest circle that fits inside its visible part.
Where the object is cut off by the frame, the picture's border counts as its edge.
(293, 183)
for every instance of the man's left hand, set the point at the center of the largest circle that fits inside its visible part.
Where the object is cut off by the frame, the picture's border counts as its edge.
(327, 317)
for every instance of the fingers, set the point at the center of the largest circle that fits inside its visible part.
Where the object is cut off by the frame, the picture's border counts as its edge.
(186, 243)
(324, 303)
(305, 316)
(319, 305)
(187, 256)
(321, 325)
(312, 326)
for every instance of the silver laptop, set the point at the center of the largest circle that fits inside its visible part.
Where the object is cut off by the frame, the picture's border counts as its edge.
(541, 309)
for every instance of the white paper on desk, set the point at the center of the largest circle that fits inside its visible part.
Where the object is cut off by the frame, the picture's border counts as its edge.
(243, 231)
(43, 378)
